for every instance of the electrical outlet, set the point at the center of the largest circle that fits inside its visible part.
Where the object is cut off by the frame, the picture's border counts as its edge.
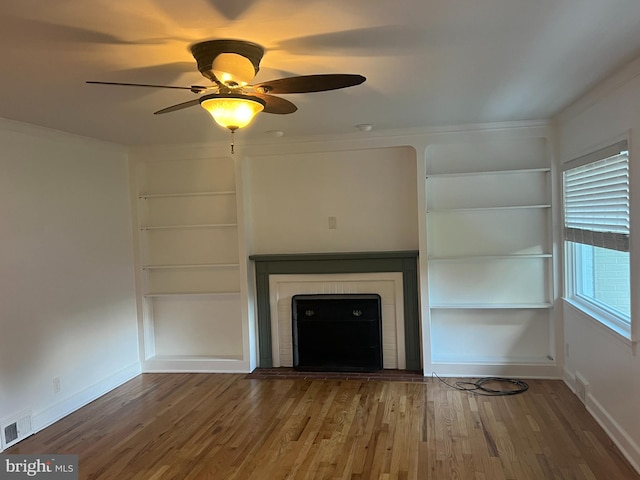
(333, 223)
(56, 384)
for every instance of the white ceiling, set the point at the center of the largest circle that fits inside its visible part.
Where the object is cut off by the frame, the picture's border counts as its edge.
(427, 62)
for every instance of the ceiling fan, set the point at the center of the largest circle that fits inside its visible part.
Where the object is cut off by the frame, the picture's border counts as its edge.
(232, 101)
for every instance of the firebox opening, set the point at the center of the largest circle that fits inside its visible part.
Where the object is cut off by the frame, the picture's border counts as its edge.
(337, 332)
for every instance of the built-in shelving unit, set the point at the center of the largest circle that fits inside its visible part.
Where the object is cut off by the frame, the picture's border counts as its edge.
(489, 248)
(189, 262)
(189, 239)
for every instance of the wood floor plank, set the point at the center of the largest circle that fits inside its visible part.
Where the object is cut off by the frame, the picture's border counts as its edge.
(232, 427)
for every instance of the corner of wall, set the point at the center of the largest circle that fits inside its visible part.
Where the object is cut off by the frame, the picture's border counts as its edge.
(59, 410)
(618, 435)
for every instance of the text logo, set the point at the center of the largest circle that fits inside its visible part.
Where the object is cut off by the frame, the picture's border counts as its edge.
(51, 467)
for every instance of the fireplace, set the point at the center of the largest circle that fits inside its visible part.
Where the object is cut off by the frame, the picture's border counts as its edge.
(272, 337)
(341, 333)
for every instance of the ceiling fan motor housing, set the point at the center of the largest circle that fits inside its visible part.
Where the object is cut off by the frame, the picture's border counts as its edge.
(206, 52)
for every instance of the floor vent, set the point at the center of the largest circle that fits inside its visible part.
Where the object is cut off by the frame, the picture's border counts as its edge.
(582, 387)
(15, 430)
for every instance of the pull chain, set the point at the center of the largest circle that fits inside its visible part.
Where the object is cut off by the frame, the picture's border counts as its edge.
(232, 144)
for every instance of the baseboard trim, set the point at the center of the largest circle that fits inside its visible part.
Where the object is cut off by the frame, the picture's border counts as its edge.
(168, 364)
(61, 409)
(522, 370)
(618, 435)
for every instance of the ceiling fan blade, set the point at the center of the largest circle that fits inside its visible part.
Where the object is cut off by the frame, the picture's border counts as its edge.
(310, 83)
(370, 41)
(164, 74)
(54, 32)
(21, 29)
(275, 104)
(232, 10)
(193, 88)
(179, 106)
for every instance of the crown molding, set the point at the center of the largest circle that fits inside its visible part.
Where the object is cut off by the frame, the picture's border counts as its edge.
(57, 135)
(619, 78)
(417, 138)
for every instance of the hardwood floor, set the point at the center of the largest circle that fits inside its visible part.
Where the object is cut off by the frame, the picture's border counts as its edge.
(226, 426)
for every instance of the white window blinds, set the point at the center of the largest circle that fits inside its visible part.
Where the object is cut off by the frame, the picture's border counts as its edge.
(596, 198)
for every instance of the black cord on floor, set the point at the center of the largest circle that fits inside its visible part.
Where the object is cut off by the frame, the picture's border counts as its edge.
(479, 387)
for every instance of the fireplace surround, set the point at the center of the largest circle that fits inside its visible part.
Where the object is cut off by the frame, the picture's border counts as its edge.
(404, 262)
(388, 285)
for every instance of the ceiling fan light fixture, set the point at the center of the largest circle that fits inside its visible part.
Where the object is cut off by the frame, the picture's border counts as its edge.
(233, 69)
(232, 111)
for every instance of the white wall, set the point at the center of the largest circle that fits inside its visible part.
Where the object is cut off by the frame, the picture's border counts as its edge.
(371, 192)
(67, 296)
(607, 362)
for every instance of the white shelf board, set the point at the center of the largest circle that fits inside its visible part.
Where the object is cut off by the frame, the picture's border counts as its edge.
(189, 266)
(490, 172)
(489, 257)
(472, 209)
(204, 225)
(199, 364)
(483, 306)
(189, 294)
(195, 358)
(145, 196)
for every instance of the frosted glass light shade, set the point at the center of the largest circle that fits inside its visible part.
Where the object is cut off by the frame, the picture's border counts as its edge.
(232, 111)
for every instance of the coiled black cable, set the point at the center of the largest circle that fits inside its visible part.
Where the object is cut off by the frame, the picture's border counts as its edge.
(479, 387)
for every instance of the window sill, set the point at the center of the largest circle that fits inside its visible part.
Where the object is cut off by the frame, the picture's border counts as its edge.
(622, 334)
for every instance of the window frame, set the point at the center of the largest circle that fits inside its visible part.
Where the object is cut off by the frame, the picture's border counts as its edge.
(597, 311)
(591, 307)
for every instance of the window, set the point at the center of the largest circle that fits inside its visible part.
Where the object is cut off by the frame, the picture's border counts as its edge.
(596, 233)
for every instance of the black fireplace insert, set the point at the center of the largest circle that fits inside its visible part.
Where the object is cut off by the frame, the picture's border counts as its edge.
(337, 332)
